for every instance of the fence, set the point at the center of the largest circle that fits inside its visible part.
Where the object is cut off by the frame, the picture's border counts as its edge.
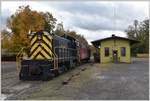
(8, 56)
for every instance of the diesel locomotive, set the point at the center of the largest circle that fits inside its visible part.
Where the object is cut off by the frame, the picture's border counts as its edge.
(51, 55)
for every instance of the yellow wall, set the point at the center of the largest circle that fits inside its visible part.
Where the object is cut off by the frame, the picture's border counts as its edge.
(110, 43)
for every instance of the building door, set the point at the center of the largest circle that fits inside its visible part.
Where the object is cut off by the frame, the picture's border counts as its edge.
(115, 56)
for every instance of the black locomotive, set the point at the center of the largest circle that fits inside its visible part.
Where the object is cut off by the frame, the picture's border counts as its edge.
(50, 55)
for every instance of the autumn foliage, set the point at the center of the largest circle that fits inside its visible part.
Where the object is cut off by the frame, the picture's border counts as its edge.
(25, 20)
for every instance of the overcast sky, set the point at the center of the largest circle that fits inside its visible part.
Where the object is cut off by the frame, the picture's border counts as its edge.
(93, 19)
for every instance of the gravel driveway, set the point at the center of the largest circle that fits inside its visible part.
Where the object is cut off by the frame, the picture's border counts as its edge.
(11, 87)
(120, 81)
(7, 67)
(102, 82)
(87, 82)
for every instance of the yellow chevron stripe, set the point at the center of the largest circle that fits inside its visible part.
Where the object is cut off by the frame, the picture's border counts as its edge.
(36, 52)
(33, 47)
(47, 41)
(33, 40)
(45, 54)
(39, 57)
(48, 35)
(46, 48)
(39, 49)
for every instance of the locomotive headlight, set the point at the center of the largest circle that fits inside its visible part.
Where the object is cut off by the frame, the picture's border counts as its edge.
(39, 37)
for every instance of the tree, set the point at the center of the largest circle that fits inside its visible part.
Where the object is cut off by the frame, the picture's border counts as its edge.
(60, 29)
(5, 40)
(50, 22)
(79, 37)
(139, 32)
(21, 22)
(25, 20)
(144, 37)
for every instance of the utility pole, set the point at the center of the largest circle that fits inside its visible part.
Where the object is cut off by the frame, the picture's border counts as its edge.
(135, 25)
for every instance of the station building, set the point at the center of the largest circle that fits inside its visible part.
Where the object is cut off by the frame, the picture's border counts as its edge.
(114, 49)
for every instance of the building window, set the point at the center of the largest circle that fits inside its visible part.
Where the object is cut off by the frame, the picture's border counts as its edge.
(123, 51)
(106, 51)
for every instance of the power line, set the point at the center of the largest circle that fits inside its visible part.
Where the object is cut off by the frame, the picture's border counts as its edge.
(114, 20)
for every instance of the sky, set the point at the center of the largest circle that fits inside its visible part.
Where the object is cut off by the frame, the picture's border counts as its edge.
(92, 19)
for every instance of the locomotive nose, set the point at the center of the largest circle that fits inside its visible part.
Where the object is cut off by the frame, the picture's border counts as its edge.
(41, 45)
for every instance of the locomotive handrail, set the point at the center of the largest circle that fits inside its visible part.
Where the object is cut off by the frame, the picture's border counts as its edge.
(67, 48)
(55, 60)
(56, 57)
(18, 59)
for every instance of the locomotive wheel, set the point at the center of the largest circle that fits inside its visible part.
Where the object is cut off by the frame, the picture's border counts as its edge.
(20, 77)
(74, 64)
(63, 69)
(47, 74)
(68, 68)
(56, 73)
(44, 78)
(47, 77)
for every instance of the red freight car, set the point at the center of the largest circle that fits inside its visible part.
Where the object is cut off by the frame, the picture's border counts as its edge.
(84, 52)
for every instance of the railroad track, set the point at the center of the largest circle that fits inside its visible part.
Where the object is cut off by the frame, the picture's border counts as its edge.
(13, 88)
